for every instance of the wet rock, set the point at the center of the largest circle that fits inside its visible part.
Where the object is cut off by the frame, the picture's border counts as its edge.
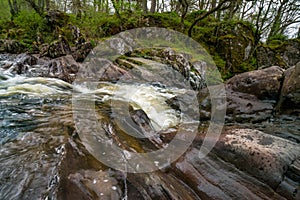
(240, 107)
(13, 46)
(22, 64)
(81, 51)
(83, 177)
(289, 101)
(264, 84)
(103, 70)
(264, 156)
(213, 178)
(95, 185)
(180, 62)
(64, 68)
(27, 59)
(56, 49)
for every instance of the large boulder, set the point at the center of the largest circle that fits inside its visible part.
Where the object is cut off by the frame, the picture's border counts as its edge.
(266, 157)
(289, 100)
(284, 54)
(56, 49)
(240, 107)
(264, 84)
(81, 51)
(64, 68)
(235, 44)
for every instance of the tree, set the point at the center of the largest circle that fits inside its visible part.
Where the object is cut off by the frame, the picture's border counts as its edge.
(184, 10)
(116, 7)
(153, 6)
(14, 9)
(286, 14)
(221, 6)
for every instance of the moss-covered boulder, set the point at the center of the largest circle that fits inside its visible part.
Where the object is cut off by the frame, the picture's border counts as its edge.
(235, 44)
(56, 18)
(281, 53)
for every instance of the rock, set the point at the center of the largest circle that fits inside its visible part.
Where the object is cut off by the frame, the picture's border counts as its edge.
(240, 107)
(56, 49)
(27, 59)
(289, 101)
(56, 18)
(2, 50)
(264, 156)
(83, 177)
(64, 68)
(81, 51)
(291, 53)
(95, 184)
(13, 46)
(264, 84)
(265, 57)
(193, 72)
(290, 183)
(22, 64)
(235, 44)
(97, 69)
(284, 54)
(212, 178)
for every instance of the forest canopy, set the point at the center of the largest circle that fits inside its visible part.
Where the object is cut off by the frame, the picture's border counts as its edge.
(239, 34)
(270, 18)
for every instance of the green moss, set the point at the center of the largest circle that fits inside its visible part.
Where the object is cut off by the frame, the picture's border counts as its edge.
(248, 65)
(30, 22)
(275, 44)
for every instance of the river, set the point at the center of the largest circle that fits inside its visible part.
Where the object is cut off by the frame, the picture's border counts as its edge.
(45, 155)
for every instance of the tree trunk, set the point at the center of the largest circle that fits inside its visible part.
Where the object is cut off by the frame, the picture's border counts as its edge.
(201, 17)
(144, 5)
(13, 9)
(47, 5)
(184, 10)
(153, 6)
(116, 7)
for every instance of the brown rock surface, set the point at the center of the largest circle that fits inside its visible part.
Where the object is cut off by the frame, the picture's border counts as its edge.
(264, 84)
(290, 93)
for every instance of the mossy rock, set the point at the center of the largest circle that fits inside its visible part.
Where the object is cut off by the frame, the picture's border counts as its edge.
(282, 53)
(56, 18)
(235, 45)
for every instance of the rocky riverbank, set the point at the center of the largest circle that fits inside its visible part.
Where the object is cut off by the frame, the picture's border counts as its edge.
(256, 157)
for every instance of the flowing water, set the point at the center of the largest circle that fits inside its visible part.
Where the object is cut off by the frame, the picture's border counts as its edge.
(37, 121)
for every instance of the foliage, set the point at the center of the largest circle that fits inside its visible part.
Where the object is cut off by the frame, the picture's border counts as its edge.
(224, 32)
(220, 63)
(4, 10)
(30, 22)
(278, 37)
(248, 65)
